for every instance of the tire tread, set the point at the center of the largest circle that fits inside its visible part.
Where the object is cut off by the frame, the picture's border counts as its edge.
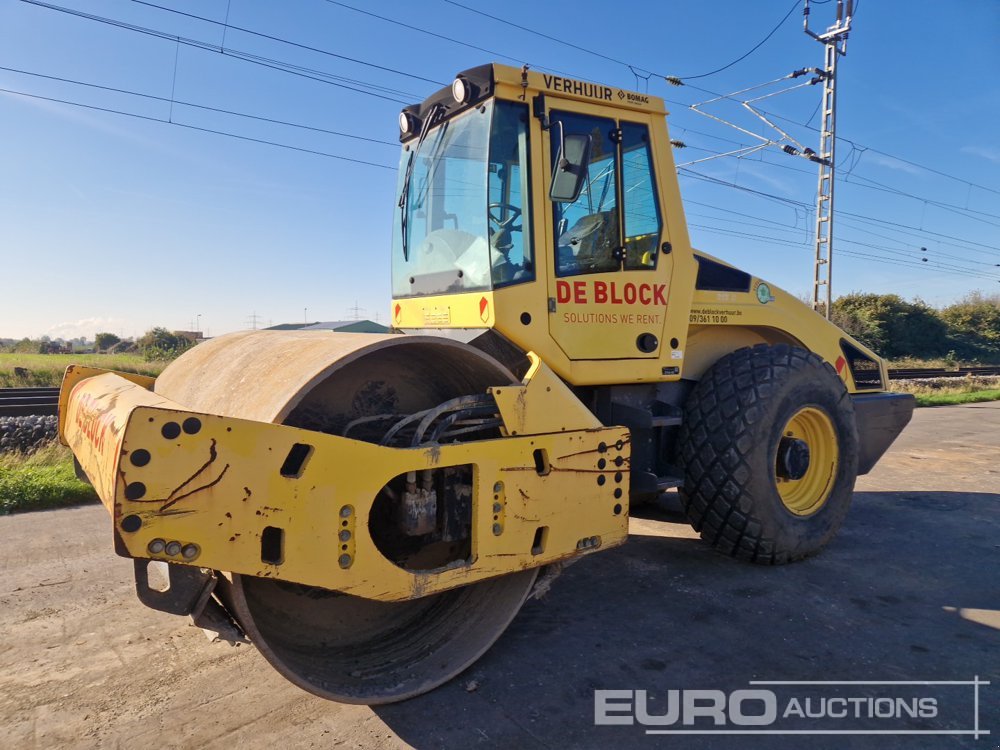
(733, 392)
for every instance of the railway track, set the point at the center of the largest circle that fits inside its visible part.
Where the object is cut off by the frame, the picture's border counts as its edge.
(25, 402)
(22, 402)
(924, 373)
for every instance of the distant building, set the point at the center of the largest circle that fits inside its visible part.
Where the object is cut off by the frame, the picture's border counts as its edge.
(341, 326)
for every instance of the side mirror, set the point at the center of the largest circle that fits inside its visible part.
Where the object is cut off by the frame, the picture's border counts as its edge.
(570, 169)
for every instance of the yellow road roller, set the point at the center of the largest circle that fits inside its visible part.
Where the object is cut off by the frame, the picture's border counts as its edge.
(371, 511)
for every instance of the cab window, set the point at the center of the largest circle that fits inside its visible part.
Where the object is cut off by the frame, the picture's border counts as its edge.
(509, 196)
(603, 230)
(640, 201)
(587, 232)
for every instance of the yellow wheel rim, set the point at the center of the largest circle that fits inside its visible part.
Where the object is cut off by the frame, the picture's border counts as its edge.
(807, 494)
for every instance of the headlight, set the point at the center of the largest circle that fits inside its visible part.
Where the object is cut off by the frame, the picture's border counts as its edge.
(460, 90)
(407, 123)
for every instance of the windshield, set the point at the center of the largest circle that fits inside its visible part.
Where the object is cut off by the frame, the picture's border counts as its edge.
(465, 222)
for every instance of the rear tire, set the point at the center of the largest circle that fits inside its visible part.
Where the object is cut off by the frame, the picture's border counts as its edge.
(769, 450)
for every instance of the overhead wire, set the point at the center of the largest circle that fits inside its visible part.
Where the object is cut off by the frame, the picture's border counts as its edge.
(840, 139)
(782, 226)
(545, 36)
(942, 267)
(149, 118)
(747, 54)
(436, 35)
(206, 107)
(910, 251)
(281, 40)
(685, 172)
(289, 68)
(875, 185)
(857, 181)
(634, 66)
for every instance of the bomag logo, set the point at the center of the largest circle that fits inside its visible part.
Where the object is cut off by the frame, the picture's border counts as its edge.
(580, 88)
(632, 98)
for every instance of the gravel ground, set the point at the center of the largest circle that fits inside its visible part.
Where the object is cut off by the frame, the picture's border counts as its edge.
(924, 385)
(26, 433)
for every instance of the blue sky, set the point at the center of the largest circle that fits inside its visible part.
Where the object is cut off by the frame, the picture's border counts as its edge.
(109, 222)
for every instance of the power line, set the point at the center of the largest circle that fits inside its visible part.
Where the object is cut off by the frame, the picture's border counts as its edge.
(285, 67)
(850, 142)
(919, 229)
(198, 128)
(853, 222)
(201, 106)
(753, 49)
(942, 267)
(759, 223)
(266, 62)
(685, 172)
(631, 66)
(894, 261)
(874, 185)
(782, 226)
(910, 246)
(634, 67)
(911, 255)
(545, 36)
(932, 170)
(281, 40)
(337, 133)
(853, 144)
(436, 35)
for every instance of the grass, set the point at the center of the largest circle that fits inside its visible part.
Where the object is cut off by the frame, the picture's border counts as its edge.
(951, 399)
(950, 391)
(47, 369)
(41, 480)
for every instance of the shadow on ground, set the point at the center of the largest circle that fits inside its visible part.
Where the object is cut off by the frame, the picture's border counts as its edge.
(909, 590)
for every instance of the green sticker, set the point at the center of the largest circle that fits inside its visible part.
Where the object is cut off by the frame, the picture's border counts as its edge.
(764, 293)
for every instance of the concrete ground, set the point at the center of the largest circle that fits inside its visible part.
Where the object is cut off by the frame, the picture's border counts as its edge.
(909, 590)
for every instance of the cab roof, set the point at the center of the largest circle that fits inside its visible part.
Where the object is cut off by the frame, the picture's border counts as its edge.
(483, 82)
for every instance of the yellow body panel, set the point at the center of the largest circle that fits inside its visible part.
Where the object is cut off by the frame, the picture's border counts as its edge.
(724, 321)
(542, 404)
(92, 421)
(216, 483)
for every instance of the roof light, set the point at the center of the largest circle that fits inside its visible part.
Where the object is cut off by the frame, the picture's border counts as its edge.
(408, 123)
(460, 90)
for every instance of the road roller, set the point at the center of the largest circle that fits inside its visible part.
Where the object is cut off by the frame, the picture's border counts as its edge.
(371, 511)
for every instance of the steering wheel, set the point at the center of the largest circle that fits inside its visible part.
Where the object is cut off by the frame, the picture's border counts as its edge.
(514, 212)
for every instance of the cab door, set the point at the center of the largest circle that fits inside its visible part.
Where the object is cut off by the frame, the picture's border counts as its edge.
(610, 271)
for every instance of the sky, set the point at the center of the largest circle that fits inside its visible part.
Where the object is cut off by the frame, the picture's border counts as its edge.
(119, 223)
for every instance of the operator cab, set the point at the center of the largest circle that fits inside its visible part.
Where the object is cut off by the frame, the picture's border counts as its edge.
(537, 207)
(463, 219)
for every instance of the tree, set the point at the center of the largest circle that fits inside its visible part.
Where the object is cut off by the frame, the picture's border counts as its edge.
(159, 343)
(104, 341)
(974, 324)
(892, 326)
